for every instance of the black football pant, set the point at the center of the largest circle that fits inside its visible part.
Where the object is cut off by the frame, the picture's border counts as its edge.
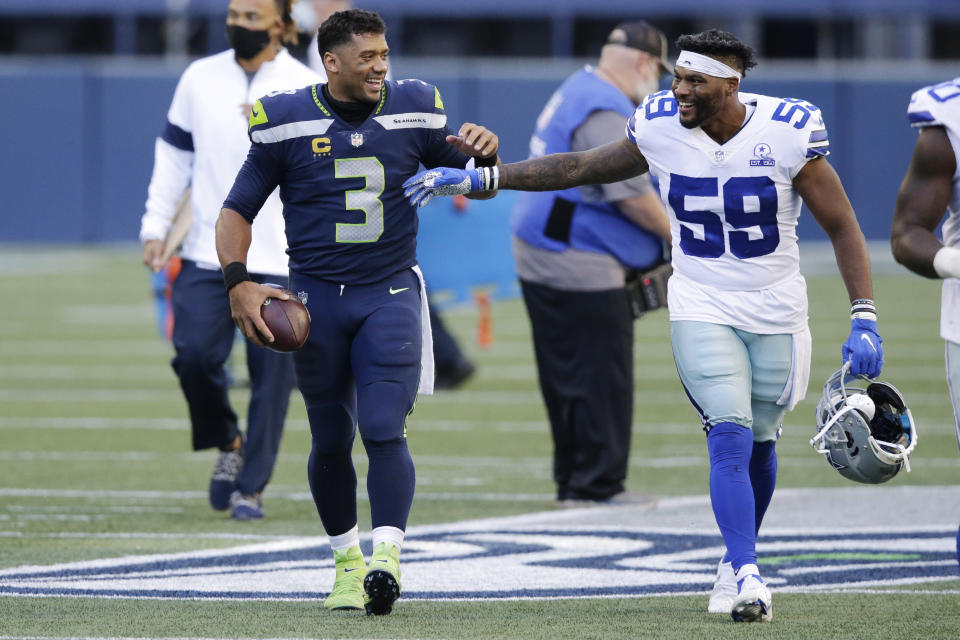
(203, 334)
(583, 342)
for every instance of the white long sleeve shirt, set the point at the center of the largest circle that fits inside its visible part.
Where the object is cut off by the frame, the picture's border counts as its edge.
(203, 147)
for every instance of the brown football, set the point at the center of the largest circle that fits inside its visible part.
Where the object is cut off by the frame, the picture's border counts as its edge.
(288, 321)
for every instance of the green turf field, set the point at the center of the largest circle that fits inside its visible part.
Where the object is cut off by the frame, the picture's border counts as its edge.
(95, 463)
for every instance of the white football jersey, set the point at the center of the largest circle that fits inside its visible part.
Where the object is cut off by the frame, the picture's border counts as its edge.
(209, 115)
(939, 106)
(733, 210)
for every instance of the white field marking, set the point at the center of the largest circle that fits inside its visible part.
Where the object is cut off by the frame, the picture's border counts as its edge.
(905, 592)
(139, 535)
(99, 349)
(294, 496)
(414, 425)
(59, 517)
(86, 372)
(73, 396)
(138, 396)
(292, 424)
(141, 313)
(457, 462)
(796, 571)
(864, 587)
(672, 594)
(27, 508)
(136, 638)
(673, 397)
(524, 464)
(134, 424)
(36, 262)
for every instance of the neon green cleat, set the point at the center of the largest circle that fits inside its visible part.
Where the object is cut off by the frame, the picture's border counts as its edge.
(382, 584)
(348, 587)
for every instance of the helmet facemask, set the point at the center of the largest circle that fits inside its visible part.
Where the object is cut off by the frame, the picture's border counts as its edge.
(865, 430)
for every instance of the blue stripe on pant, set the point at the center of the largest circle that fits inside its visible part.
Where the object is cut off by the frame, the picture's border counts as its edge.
(203, 334)
(360, 368)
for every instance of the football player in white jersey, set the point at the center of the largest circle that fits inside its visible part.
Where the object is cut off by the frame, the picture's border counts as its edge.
(732, 170)
(931, 189)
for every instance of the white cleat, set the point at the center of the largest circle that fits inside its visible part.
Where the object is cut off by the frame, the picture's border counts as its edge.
(724, 589)
(753, 602)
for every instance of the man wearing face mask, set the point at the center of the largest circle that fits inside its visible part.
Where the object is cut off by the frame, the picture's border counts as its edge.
(573, 249)
(202, 147)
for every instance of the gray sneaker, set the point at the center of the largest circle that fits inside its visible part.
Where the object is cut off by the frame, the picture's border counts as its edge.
(224, 478)
(245, 507)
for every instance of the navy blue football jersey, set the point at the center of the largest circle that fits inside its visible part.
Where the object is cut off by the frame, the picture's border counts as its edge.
(343, 206)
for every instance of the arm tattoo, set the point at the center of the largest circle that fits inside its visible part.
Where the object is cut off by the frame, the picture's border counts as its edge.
(612, 162)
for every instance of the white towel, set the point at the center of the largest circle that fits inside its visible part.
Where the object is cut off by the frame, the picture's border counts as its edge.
(796, 388)
(426, 353)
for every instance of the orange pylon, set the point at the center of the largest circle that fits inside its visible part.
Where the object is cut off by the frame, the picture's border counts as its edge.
(484, 320)
(172, 270)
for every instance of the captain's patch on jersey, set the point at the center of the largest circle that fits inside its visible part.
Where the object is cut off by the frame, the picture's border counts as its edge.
(530, 563)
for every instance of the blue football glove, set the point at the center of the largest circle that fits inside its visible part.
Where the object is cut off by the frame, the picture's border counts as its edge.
(443, 181)
(863, 348)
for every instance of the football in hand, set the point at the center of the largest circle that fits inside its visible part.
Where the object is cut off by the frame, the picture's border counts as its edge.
(288, 321)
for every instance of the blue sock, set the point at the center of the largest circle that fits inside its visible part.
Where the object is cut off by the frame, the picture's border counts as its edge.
(390, 482)
(730, 446)
(763, 477)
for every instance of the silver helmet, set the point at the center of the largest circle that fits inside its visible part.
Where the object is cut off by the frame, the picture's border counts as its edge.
(864, 428)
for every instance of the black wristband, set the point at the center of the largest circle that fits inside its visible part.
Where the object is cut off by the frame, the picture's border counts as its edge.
(233, 274)
(490, 161)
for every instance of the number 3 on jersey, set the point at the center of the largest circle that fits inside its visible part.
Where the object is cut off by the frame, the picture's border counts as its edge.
(735, 192)
(366, 199)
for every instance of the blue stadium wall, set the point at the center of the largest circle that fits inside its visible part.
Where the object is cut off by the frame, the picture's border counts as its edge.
(78, 146)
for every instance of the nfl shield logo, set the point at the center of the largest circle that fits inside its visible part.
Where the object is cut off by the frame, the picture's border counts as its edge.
(356, 139)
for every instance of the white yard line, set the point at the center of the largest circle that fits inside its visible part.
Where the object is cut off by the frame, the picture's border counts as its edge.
(295, 496)
(672, 397)
(526, 463)
(139, 535)
(640, 425)
(136, 638)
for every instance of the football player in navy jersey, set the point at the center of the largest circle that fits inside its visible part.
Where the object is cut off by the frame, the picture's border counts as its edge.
(339, 153)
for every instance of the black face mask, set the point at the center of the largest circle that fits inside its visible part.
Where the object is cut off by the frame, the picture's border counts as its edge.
(247, 43)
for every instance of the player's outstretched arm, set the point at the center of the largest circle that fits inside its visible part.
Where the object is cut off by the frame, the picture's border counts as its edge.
(610, 163)
(477, 141)
(820, 187)
(246, 296)
(921, 204)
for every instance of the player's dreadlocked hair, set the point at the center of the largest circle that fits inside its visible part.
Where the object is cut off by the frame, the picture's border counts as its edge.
(719, 44)
(340, 27)
(289, 26)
